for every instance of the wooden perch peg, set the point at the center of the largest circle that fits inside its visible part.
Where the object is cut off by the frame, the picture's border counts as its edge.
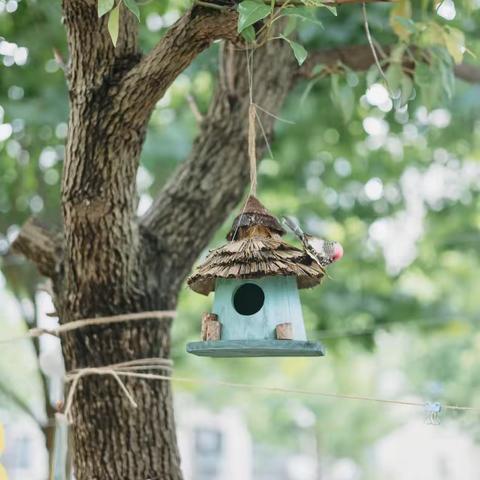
(211, 327)
(284, 331)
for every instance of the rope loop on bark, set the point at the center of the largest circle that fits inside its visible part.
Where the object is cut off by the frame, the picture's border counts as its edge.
(86, 322)
(116, 370)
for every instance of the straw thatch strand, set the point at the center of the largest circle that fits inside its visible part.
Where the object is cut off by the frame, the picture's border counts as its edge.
(254, 257)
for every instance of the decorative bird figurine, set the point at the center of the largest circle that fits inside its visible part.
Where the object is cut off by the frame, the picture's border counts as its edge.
(324, 252)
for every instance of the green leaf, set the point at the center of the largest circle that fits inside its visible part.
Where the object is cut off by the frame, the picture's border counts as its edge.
(448, 78)
(290, 26)
(133, 7)
(432, 94)
(331, 9)
(298, 50)
(406, 90)
(318, 68)
(423, 76)
(401, 9)
(397, 53)
(304, 14)
(372, 75)
(308, 89)
(394, 76)
(352, 78)
(250, 12)
(342, 97)
(429, 79)
(431, 34)
(406, 23)
(104, 6)
(113, 24)
(249, 34)
(455, 43)
(320, 3)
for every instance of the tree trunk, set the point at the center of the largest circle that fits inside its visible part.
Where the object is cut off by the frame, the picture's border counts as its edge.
(105, 273)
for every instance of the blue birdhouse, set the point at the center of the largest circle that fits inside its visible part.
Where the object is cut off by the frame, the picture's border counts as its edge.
(256, 277)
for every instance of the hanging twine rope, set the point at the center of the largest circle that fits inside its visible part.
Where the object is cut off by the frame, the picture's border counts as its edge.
(252, 134)
(252, 154)
(133, 369)
(85, 322)
(252, 118)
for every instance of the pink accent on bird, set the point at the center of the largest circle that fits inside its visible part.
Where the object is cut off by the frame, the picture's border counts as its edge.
(337, 252)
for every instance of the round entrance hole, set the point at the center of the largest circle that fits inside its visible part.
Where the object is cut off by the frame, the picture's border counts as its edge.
(248, 299)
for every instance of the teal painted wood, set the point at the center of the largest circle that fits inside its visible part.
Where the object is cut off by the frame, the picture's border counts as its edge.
(256, 348)
(282, 304)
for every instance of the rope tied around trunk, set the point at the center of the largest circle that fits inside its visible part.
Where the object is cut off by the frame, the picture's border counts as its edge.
(86, 322)
(125, 369)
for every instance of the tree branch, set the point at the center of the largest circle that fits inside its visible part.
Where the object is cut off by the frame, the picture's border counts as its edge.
(206, 187)
(467, 72)
(37, 244)
(148, 81)
(360, 58)
(356, 57)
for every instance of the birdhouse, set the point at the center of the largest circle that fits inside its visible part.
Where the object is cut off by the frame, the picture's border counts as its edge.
(255, 278)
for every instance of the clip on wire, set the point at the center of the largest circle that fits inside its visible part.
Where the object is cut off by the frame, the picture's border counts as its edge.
(432, 410)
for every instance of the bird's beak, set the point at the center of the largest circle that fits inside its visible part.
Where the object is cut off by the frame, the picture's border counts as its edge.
(337, 252)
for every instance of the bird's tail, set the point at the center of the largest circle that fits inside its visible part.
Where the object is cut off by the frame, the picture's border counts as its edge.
(292, 224)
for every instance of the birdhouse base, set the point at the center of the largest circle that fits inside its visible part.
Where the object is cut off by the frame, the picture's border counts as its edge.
(256, 348)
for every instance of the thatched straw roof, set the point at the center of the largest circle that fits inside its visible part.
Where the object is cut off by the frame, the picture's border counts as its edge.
(258, 251)
(254, 213)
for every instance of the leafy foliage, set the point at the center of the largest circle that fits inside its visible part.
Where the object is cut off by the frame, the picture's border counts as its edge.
(104, 6)
(113, 9)
(250, 12)
(113, 24)
(298, 50)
